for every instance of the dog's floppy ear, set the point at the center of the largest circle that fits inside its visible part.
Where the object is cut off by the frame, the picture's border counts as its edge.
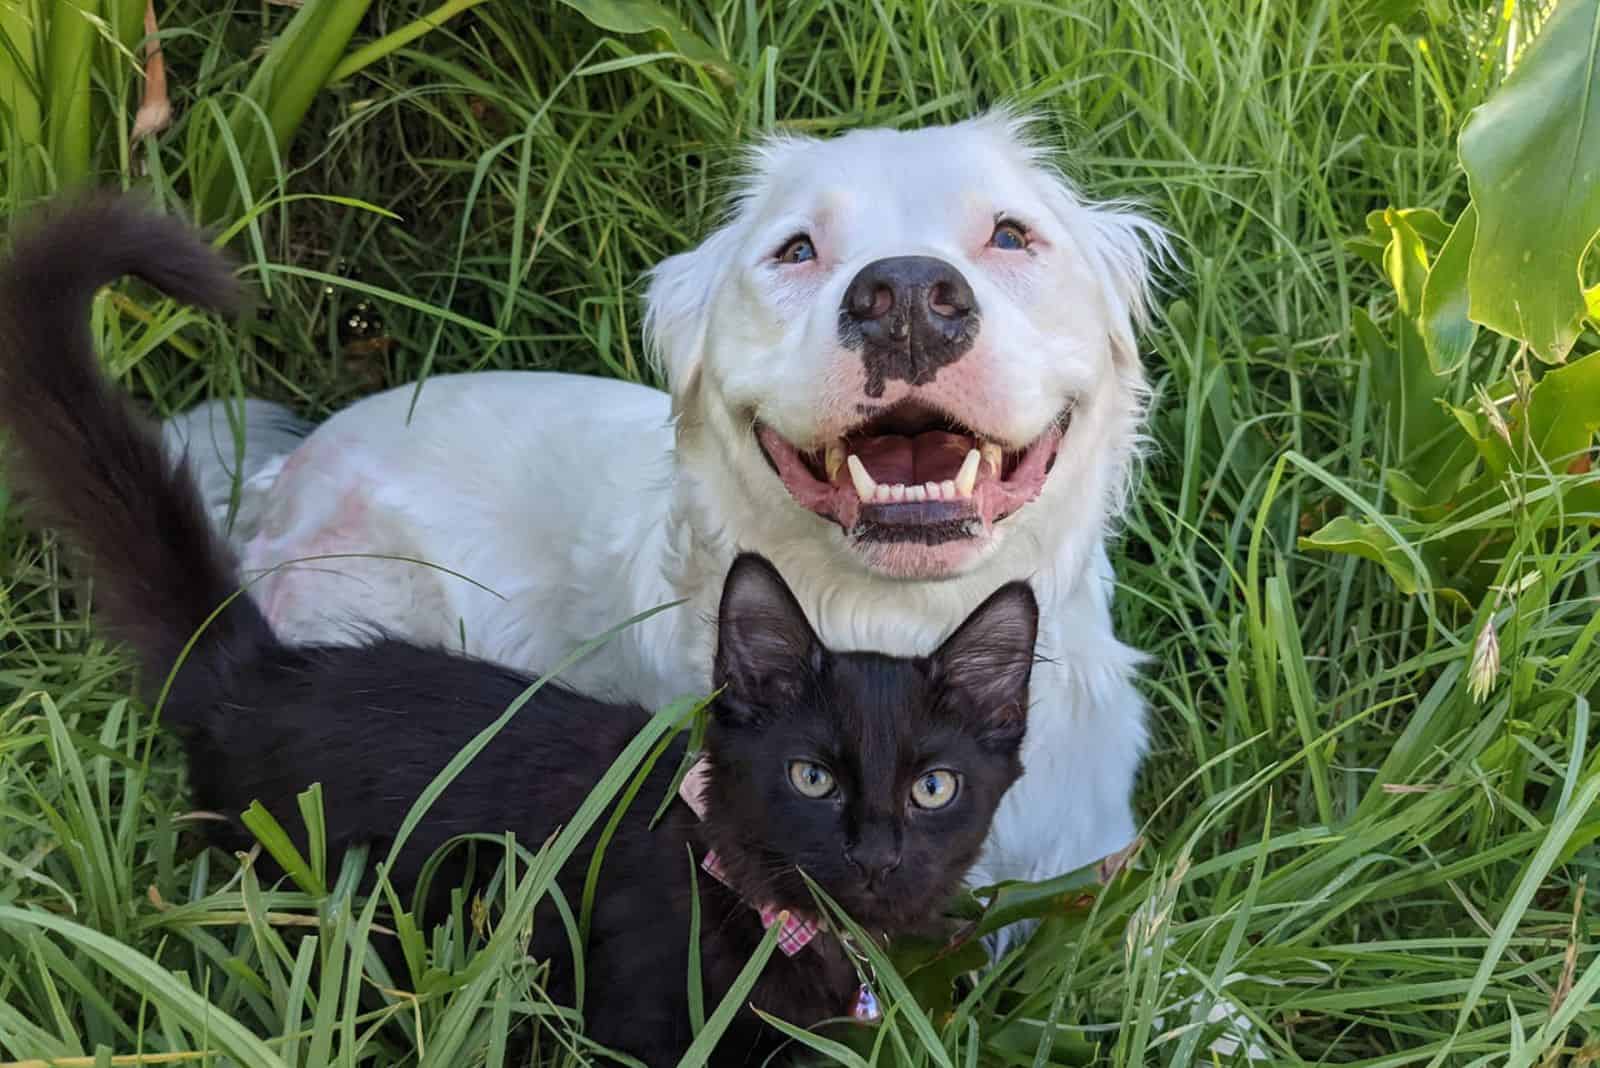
(677, 306)
(1122, 247)
(682, 288)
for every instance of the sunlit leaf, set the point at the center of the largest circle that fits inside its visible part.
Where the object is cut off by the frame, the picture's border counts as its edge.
(646, 16)
(1343, 534)
(1016, 901)
(1447, 329)
(1532, 156)
(1564, 412)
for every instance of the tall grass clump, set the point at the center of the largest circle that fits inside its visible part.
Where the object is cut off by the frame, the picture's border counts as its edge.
(1362, 555)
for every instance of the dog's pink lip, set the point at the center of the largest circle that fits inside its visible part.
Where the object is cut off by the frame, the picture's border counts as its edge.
(995, 496)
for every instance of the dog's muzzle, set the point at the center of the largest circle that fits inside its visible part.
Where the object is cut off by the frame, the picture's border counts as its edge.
(909, 316)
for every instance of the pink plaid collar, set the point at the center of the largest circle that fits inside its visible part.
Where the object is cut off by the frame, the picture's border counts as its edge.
(798, 930)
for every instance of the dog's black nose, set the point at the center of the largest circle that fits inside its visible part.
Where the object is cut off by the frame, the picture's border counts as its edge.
(910, 316)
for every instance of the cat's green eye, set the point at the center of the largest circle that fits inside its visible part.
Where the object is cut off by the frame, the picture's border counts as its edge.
(935, 789)
(812, 780)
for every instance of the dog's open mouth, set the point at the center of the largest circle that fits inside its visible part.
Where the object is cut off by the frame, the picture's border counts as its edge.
(914, 474)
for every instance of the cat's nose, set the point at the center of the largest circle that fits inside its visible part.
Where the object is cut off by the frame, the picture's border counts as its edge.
(874, 857)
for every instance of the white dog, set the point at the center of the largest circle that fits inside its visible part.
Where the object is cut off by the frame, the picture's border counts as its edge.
(904, 369)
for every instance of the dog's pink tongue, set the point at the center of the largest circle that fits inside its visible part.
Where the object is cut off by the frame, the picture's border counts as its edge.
(931, 457)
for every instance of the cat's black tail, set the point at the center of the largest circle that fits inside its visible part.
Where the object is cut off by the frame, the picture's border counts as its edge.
(89, 465)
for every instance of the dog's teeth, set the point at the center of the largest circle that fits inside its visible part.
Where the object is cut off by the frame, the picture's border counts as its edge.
(883, 493)
(947, 490)
(916, 493)
(967, 477)
(835, 458)
(865, 487)
(991, 454)
(897, 493)
(934, 492)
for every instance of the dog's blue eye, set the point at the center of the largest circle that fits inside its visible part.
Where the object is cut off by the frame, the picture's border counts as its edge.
(798, 249)
(1009, 236)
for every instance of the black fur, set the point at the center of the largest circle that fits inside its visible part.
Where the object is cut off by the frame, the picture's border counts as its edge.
(374, 723)
(94, 469)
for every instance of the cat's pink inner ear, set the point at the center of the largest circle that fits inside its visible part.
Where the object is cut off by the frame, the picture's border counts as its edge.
(693, 787)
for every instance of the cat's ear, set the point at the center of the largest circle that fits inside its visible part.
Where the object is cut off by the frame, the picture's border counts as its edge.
(987, 662)
(766, 650)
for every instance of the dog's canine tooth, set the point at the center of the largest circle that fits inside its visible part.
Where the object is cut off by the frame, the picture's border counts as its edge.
(865, 487)
(835, 458)
(967, 477)
(992, 454)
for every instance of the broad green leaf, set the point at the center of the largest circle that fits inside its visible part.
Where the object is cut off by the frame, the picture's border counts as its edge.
(1564, 413)
(1368, 249)
(647, 16)
(1379, 353)
(1405, 262)
(1425, 444)
(1427, 223)
(69, 58)
(1343, 534)
(1415, 496)
(1016, 901)
(1492, 448)
(1447, 328)
(1532, 157)
(1020, 1042)
(931, 966)
(21, 106)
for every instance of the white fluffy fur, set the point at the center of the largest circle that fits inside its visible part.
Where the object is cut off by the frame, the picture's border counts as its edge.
(582, 501)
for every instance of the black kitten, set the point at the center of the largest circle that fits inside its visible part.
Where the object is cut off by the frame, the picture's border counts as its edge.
(877, 776)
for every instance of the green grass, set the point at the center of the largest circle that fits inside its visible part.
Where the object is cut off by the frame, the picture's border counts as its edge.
(1376, 868)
